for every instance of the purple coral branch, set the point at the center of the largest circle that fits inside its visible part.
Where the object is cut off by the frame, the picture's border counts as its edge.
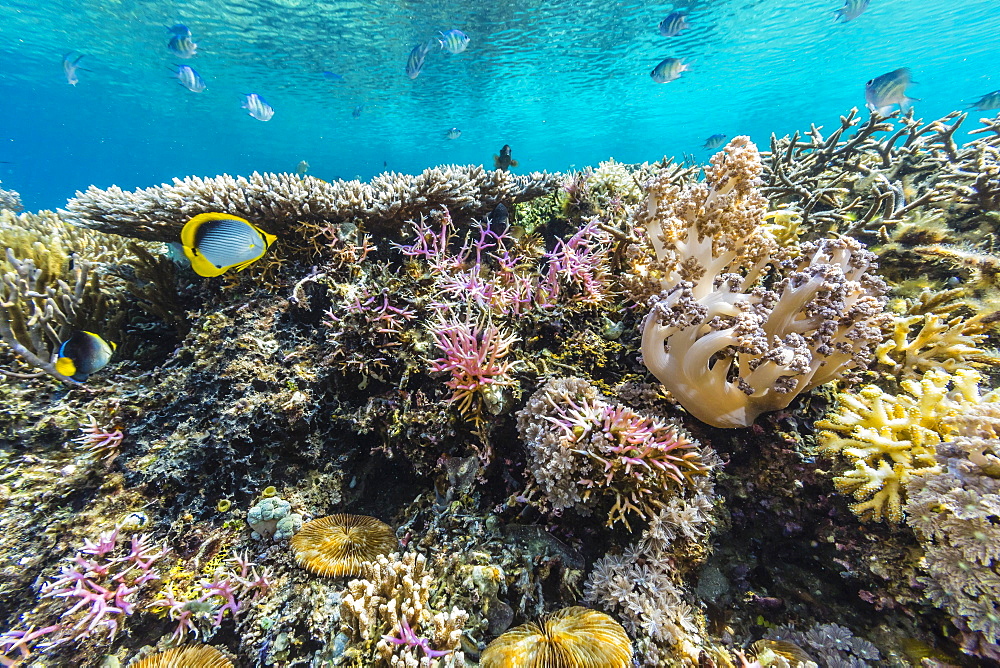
(408, 637)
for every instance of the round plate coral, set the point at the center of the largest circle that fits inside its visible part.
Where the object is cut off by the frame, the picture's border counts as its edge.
(574, 637)
(337, 545)
(195, 656)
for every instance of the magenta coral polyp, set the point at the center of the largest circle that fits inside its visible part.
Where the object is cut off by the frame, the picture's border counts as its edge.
(475, 356)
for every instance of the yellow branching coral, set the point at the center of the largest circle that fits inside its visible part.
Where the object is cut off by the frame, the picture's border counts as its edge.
(741, 326)
(888, 439)
(938, 343)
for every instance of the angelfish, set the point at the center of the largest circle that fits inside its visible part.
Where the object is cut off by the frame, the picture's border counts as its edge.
(218, 242)
(83, 354)
(889, 89)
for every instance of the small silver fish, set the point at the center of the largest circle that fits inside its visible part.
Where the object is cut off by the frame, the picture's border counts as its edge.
(987, 102)
(668, 70)
(415, 62)
(673, 24)
(70, 67)
(889, 89)
(852, 9)
(190, 79)
(182, 47)
(302, 168)
(715, 141)
(454, 41)
(453, 133)
(257, 107)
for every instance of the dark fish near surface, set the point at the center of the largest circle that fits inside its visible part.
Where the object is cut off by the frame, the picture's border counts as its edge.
(669, 70)
(852, 9)
(497, 220)
(258, 107)
(83, 354)
(218, 242)
(182, 47)
(190, 79)
(333, 76)
(889, 89)
(673, 24)
(503, 161)
(356, 112)
(180, 30)
(715, 141)
(70, 67)
(415, 61)
(987, 102)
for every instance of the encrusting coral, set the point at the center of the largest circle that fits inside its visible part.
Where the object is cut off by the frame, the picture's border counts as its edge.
(572, 637)
(954, 510)
(888, 439)
(726, 338)
(281, 202)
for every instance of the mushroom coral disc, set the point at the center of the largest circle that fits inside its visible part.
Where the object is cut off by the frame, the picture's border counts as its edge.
(337, 545)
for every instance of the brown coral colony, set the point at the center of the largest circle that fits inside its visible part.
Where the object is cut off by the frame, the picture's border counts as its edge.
(337, 545)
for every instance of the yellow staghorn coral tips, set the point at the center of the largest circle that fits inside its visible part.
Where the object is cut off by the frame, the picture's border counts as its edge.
(337, 545)
(574, 637)
(195, 656)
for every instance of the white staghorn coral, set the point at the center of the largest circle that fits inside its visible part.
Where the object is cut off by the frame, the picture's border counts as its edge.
(741, 327)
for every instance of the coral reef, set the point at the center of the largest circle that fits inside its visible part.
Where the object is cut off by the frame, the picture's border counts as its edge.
(280, 202)
(890, 438)
(953, 510)
(272, 518)
(10, 200)
(572, 636)
(584, 451)
(468, 377)
(644, 586)
(392, 596)
(726, 345)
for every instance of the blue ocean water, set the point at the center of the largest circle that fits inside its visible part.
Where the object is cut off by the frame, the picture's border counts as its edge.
(564, 83)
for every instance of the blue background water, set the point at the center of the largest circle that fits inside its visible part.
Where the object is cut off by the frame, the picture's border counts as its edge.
(566, 83)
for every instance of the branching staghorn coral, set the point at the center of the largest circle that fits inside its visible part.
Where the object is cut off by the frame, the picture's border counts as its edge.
(728, 341)
(954, 512)
(938, 343)
(50, 284)
(389, 604)
(283, 202)
(889, 439)
(582, 451)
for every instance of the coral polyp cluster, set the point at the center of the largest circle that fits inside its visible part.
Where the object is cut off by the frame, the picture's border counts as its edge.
(741, 327)
(584, 452)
